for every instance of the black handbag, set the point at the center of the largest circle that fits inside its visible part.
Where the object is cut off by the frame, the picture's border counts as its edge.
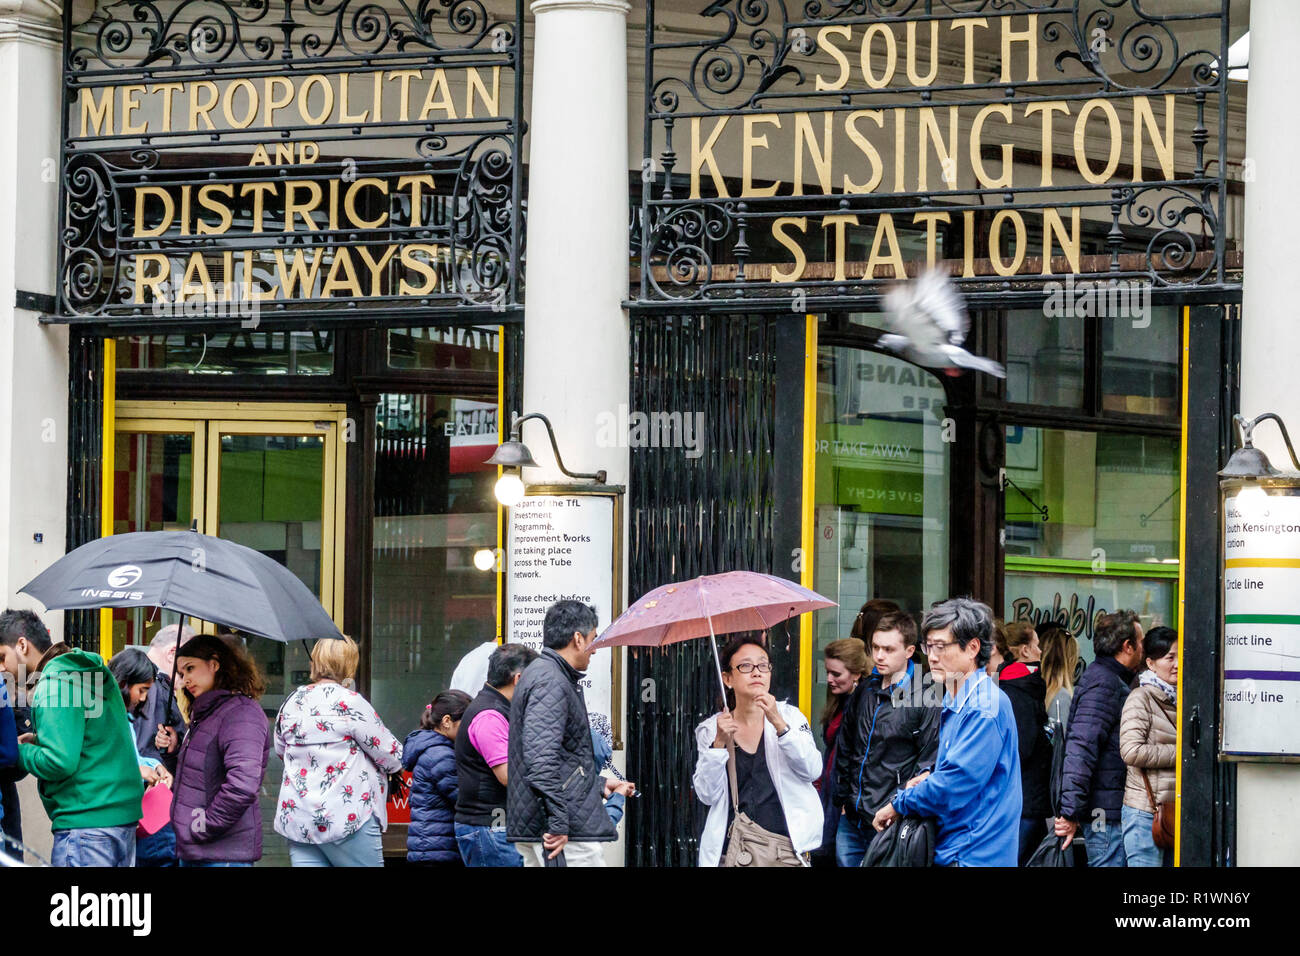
(909, 841)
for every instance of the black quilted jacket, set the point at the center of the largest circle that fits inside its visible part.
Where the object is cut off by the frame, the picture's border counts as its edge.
(1094, 774)
(553, 786)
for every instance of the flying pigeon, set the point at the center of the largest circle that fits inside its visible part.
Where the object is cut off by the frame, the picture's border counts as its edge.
(930, 323)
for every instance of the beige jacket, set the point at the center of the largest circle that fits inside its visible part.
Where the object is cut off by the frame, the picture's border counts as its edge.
(1148, 741)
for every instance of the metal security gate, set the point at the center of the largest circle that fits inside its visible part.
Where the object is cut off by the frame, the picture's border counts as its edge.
(735, 506)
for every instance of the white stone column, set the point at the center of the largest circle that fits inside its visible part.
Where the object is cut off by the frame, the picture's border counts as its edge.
(575, 326)
(33, 358)
(576, 330)
(1269, 795)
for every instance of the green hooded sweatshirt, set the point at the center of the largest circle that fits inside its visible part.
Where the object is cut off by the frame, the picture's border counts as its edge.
(84, 755)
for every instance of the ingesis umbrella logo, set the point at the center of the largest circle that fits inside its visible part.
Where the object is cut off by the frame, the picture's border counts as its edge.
(119, 581)
(124, 576)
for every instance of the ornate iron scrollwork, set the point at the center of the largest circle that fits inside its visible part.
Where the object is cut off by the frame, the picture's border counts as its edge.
(706, 232)
(142, 33)
(327, 158)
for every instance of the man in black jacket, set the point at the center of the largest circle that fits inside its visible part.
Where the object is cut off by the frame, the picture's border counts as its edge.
(555, 804)
(889, 735)
(1092, 781)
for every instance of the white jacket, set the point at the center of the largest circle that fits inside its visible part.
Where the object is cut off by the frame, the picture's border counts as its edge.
(794, 763)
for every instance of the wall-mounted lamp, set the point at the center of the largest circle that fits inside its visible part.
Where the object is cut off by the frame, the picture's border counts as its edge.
(513, 455)
(1248, 462)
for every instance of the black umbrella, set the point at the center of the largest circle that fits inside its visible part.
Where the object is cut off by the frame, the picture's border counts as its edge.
(194, 574)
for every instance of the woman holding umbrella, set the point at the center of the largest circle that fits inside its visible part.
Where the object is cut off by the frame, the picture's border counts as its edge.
(222, 761)
(759, 756)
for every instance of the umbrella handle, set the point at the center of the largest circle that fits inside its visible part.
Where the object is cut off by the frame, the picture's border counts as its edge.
(717, 661)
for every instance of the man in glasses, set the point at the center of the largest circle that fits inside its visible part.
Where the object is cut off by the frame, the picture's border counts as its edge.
(974, 790)
(890, 735)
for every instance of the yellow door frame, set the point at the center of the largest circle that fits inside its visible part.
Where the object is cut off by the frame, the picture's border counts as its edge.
(207, 421)
(1184, 369)
(108, 437)
(808, 538)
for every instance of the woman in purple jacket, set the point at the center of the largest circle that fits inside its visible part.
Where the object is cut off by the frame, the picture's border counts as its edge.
(222, 761)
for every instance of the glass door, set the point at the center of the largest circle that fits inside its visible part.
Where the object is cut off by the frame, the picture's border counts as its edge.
(269, 476)
(272, 487)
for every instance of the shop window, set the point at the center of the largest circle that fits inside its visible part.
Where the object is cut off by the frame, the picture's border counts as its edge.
(1091, 527)
(1045, 360)
(245, 352)
(1139, 362)
(881, 491)
(434, 508)
(430, 349)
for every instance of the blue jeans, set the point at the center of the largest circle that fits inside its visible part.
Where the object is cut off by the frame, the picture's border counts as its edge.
(1107, 847)
(157, 849)
(850, 842)
(486, 846)
(94, 846)
(211, 863)
(1139, 848)
(363, 848)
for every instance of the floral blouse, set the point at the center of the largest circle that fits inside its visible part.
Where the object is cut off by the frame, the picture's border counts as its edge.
(337, 757)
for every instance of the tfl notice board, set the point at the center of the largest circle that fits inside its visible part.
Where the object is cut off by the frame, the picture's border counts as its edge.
(562, 547)
(1261, 624)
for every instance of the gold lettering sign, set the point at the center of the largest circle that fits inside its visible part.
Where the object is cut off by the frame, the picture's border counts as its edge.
(321, 271)
(313, 99)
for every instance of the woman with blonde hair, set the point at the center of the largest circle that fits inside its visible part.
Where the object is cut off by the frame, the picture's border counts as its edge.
(846, 662)
(1058, 665)
(337, 758)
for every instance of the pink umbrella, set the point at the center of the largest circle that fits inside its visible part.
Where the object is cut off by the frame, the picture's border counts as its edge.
(710, 604)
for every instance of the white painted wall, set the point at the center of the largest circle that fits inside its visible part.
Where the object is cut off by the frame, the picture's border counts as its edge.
(1269, 795)
(33, 359)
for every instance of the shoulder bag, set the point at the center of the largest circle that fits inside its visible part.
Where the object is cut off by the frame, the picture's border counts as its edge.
(748, 844)
(1162, 824)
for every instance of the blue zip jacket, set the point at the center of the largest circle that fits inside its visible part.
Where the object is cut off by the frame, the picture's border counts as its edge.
(974, 790)
(431, 759)
(603, 750)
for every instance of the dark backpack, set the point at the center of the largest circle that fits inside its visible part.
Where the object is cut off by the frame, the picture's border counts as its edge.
(908, 842)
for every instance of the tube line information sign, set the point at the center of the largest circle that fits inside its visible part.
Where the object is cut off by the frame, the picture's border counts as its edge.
(561, 547)
(1261, 627)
